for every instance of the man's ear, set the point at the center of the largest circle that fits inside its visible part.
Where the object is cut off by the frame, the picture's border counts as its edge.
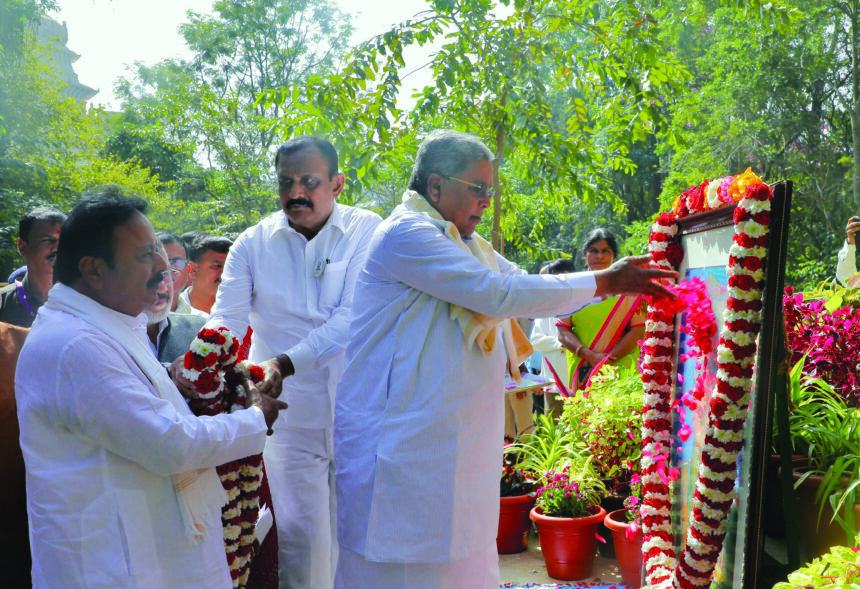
(192, 270)
(92, 271)
(339, 182)
(22, 246)
(434, 187)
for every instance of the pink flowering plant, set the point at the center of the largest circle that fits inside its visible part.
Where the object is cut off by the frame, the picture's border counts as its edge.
(828, 334)
(573, 491)
(632, 507)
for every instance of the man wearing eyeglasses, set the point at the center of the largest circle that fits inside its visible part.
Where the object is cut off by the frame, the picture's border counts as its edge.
(419, 414)
(291, 278)
(170, 333)
(177, 261)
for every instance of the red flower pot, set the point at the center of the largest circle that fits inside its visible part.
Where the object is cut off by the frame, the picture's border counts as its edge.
(569, 544)
(628, 551)
(514, 524)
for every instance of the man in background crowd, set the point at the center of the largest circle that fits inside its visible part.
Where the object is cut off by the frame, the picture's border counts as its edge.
(205, 265)
(846, 262)
(291, 277)
(38, 234)
(177, 259)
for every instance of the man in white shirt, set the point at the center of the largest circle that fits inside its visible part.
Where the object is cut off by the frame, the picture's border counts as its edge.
(292, 277)
(205, 266)
(846, 263)
(121, 489)
(419, 412)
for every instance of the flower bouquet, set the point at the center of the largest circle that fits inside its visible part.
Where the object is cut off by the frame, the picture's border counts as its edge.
(211, 365)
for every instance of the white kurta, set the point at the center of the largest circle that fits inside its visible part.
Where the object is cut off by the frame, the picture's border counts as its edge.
(846, 266)
(297, 296)
(99, 446)
(419, 414)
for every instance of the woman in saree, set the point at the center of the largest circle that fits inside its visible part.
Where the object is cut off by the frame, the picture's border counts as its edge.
(604, 332)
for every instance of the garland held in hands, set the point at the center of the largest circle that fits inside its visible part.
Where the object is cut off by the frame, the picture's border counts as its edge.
(728, 404)
(219, 381)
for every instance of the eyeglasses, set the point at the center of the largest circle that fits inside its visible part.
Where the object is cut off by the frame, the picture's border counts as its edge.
(480, 189)
(310, 183)
(177, 264)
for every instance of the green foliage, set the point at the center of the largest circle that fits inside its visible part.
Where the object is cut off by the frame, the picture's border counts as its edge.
(548, 447)
(826, 429)
(840, 567)
(607, 423)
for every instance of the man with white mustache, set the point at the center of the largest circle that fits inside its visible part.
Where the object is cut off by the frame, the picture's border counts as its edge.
(170, 334)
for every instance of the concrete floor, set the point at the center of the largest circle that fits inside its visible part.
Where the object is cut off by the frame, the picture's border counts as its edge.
(528, 567)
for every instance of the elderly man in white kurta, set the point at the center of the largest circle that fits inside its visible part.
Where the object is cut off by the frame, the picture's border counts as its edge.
(419, 412)
(121, 489)
(292, 277)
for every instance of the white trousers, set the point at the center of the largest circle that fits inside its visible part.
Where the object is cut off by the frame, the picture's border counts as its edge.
(300, 466)
(478, 571)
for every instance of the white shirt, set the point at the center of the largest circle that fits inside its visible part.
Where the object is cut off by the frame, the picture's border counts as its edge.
(99, 446)
(184, 306)
(544, 338)
(846, 266)
(419, 415)
(297, 295)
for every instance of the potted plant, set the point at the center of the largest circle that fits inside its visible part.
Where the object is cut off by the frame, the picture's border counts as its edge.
(517, 490)
(626, 527)
(568, 514)
(825, 428)
(605, 421)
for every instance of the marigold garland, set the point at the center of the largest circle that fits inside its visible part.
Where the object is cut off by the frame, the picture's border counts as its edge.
(729, 402)
(219, 380)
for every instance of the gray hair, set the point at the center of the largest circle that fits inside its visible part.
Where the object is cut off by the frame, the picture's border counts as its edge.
(447, 153)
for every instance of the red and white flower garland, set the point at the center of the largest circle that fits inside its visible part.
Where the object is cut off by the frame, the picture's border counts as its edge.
(219, 381)
(729, 403)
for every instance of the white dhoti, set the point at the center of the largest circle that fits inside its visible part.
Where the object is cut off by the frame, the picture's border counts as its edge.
(300, 466)
(478, 571)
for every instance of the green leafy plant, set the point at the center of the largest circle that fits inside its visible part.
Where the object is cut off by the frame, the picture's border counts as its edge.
(546, 448)
(838, 568)
(606, 422)
(515, 481)
(824, 428)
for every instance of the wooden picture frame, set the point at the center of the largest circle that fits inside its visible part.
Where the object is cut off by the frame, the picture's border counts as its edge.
(706, 239)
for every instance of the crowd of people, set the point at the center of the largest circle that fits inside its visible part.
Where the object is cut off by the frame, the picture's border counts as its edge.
(384, 345)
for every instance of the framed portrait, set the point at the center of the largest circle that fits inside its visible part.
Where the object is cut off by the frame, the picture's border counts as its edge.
(706, 239)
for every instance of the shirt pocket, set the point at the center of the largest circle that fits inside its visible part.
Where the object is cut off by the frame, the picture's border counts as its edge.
(331, 286)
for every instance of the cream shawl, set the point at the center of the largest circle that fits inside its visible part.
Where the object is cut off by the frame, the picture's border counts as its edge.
(199, 492)
(476, 327)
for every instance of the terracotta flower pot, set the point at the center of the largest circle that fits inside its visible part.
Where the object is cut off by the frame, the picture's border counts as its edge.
(628, 551)
(514, 524)
(610, 503)
(569, 544)
(818, 536)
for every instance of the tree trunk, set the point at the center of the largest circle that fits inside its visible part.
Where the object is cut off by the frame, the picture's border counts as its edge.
(495, 236)
(855, 104)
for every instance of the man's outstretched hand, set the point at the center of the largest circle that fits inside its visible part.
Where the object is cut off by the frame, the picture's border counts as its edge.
(633, 275)
(268, 405)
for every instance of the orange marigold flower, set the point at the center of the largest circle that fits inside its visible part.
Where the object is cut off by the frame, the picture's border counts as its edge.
(740, 183)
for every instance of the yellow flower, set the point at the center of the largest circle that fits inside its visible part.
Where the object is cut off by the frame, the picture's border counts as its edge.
(740, 183)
